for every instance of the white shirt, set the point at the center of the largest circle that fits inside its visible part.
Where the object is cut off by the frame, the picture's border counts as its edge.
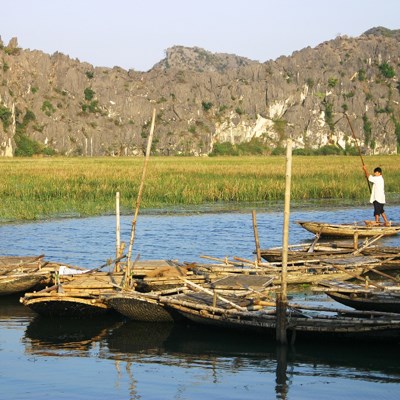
(378, 189)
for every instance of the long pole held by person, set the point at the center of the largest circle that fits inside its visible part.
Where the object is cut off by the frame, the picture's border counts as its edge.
(358, 148)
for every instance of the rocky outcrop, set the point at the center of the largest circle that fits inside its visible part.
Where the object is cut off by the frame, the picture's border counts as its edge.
(73, 108)
(200, 60)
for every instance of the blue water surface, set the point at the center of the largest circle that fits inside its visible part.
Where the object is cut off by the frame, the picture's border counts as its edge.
(110, 358)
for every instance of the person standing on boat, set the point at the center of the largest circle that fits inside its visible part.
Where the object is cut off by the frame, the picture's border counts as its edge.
(377, 194)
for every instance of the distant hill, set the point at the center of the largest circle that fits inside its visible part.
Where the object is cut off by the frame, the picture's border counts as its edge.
(206, 102)
(381, 31)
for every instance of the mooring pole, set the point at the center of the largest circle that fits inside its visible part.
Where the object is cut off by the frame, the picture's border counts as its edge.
(255, 229)
(117, 231)
(281, 301)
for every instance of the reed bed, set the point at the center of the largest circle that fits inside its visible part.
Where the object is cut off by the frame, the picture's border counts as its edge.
(38, 188)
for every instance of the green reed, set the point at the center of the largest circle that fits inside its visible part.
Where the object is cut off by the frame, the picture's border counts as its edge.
(50, 187)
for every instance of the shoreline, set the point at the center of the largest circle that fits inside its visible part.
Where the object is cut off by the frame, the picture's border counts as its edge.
(216, 208)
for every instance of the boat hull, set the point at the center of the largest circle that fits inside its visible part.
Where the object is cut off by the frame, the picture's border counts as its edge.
(304, 328)
(72, 307)
(368, 303)
(19, 284)
(348, 230)
(142, 309)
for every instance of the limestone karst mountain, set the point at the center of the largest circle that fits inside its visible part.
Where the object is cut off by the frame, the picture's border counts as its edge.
(53, 104)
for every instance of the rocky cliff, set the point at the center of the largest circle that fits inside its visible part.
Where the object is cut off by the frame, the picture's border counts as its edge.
(53, 104)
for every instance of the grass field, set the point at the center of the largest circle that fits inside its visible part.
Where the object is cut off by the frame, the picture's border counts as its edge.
(37, 188)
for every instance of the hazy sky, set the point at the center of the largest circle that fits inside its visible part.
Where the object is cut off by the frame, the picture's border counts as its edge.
(135, 34)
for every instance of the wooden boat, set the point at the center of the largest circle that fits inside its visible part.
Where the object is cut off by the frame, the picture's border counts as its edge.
(349, 230)
(77, 296)
(19, 274)
(303, 322)
(343, 267)
(383, 298)
(306, 251)
(386, 258)
(143, 307)
(83, 293)
(18, 283)
(143, 301)
(300, 254)
(149, 306)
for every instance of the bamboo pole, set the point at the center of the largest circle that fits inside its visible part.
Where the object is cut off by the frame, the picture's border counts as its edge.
(392, 278)
(358, 148)
(117, 232)
(225, 260)
(355, 241)
(212, 293)
(281, 303)
(92, 271)
(255, 229)
(367, 244)
(285, 241)
(260, 265)
(355, 275)
(328, 309)
(139, 198)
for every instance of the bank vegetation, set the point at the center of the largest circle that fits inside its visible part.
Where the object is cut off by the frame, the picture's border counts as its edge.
(39, 188)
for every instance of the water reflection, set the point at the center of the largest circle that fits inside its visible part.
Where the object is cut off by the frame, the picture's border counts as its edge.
(282, 386)
(11, 309)
(367, 362)
(189, 346)
(66, 337)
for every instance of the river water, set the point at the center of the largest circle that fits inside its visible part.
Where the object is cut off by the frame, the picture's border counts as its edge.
(110, 358)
